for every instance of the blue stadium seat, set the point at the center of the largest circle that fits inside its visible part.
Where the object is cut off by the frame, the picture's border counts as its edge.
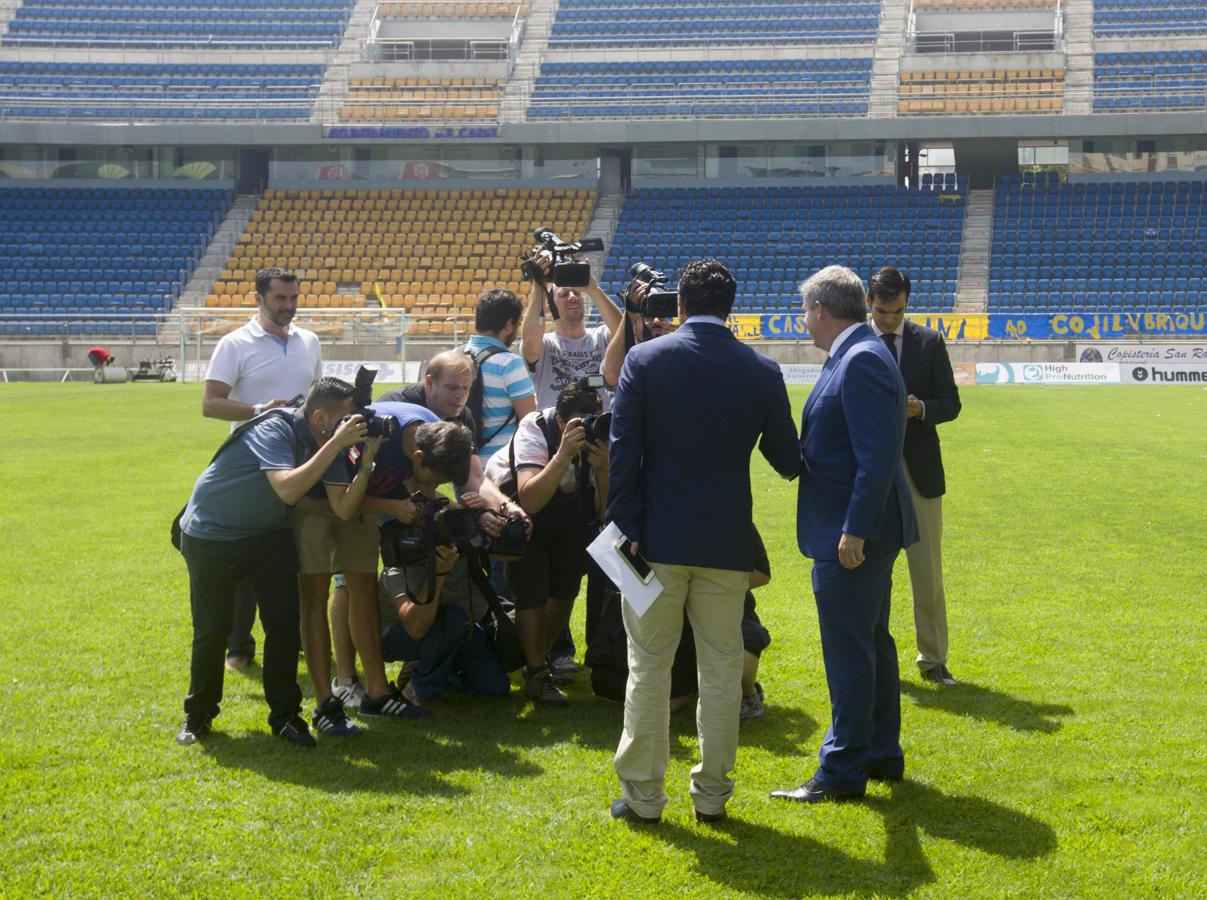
(53, 238)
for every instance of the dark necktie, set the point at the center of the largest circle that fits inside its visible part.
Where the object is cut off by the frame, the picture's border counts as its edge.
(890, 341)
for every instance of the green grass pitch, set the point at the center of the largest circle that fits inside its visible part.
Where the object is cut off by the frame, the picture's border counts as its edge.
(1071, 761)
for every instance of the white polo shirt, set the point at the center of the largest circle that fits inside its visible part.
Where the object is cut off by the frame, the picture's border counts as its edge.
(260, 367)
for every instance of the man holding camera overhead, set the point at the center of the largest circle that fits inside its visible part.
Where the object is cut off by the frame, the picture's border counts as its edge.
(571, 350)
(557, 464)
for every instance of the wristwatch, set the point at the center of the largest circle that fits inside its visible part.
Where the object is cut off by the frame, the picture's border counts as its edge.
(257, 409)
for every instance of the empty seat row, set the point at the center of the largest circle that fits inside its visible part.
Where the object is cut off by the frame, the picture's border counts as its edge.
(71, 249)
(797, 230)
(214, 23)
(1123, 245)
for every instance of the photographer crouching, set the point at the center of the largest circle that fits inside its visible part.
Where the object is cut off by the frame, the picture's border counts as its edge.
(557, 465)
(236, 525)
(433, 596)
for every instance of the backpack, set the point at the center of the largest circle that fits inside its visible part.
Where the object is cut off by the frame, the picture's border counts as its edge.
(476, 394)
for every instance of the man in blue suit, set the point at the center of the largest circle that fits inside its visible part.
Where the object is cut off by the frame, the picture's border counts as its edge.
(688, 411)
(854, 515)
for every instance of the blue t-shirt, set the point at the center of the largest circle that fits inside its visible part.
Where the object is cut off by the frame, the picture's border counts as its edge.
(232, 500)
(391, 466)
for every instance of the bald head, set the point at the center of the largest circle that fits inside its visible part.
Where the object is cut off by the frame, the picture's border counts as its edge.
(447, 382)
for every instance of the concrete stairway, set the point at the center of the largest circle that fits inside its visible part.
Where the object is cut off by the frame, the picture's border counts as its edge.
(886, 59)
(972, 283)
(527, 64)
(1079, 56)
(218, 252)
(335, 79)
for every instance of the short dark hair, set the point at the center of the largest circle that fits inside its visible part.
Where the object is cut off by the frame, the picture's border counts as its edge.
(496, 308)
(887, 283)
(265, 277)
(326, 393)
(447, 448)
(576, 399)
(707, 288)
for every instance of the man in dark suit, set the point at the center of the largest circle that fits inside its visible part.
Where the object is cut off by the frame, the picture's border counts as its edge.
(688, 411)
(853, 517)
(933, 399)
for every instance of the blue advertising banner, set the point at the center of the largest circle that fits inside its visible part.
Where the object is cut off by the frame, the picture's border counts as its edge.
(1096, 326)
(953, 326)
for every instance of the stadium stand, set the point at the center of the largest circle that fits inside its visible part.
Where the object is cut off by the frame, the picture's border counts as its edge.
(773, 237)
(304, 24)
(101, 250)
(82, 90)
(1127, 18)
(1112, 245)
(977, 5)
(430, 251)
(645, 23)
(729, 88)
(386, 98)
(995, 91)
(452, 9)
(1150, 80)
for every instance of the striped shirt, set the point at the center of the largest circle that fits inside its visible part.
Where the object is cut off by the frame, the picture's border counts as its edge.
(504, 378)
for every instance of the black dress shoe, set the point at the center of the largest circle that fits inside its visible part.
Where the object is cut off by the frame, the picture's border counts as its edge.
(709, 818)
(622, 810)
(940, 675)
(813, 791)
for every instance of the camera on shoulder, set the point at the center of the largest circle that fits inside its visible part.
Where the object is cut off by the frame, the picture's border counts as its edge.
(659, 302)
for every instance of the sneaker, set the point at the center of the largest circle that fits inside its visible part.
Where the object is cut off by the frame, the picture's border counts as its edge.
(564, 665)
(540, 687)
(752, 706)
(350, 691)
(393, 705)
(296, 732)
(192, 731)
(329, 719)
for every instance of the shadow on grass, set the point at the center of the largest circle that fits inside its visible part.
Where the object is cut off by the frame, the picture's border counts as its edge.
(752, 857)
(976, 702)
(425, 756)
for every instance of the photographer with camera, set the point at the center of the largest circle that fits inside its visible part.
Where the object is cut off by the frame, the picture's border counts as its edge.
(433, 601)
(236, 526)
(650, 312)
(421, 454)
(557, 465)
(571, 350)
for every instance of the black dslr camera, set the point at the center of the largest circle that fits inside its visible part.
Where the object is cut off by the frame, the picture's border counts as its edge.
(440, 524)
(362, 396)
(657, 302)
(511, 541)
(597, 427)
(567, 270)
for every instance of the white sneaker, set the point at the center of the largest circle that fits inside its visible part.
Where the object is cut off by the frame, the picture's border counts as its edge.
(350, 691)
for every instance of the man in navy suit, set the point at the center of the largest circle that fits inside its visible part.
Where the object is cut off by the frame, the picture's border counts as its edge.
(688, 411)
(854, 515)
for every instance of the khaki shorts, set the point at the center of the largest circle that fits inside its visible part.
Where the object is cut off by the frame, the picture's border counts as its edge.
(326, 543)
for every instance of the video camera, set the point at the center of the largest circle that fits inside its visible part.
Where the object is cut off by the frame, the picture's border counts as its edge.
(362, 396)
(567, 270)
(657, 303)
